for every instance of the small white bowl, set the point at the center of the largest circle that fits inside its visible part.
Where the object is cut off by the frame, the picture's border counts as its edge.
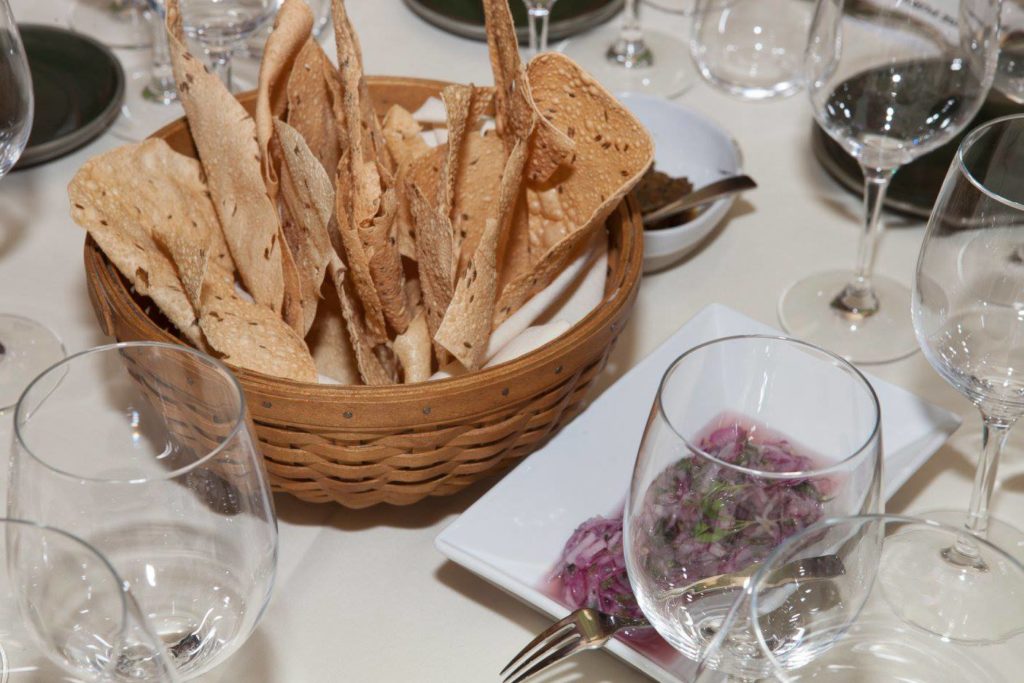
(685, 144)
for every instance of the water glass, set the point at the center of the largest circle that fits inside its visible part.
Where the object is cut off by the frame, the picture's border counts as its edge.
(145, 451)
(64, 610)
(223, 26)
(750, 440)
(752, 49)
(864, 625)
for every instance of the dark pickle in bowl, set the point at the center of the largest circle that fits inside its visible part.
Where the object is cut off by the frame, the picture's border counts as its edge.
(657, 189)
(703, 516)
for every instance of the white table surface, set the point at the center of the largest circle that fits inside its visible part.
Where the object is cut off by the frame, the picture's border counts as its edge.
(363, 595)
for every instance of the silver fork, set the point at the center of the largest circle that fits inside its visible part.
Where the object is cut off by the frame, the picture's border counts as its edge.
(589, 628)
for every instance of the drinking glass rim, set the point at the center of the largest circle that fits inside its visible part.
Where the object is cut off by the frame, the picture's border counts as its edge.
(969, 141)
(832, 522)
(800, 474)
(172, 474)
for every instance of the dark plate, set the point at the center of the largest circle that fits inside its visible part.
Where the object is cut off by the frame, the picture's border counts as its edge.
(466, 17)
(916, 186)
(78, 85)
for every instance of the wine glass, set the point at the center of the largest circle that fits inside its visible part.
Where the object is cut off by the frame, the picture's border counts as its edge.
(863, 624)
(752, 49)
(26, 347)
(538, 11)
(637, 61)
(889, 80)
(151, 97)
(750, 440)
(223, 26)
(1010, 72)
(145, 451)
(64, 610)
(968, 301)
(115, 23)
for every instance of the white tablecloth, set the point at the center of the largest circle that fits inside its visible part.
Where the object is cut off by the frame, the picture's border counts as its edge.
(363, 595)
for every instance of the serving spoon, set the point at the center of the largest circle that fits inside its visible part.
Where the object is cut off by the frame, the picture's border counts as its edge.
(704, 195)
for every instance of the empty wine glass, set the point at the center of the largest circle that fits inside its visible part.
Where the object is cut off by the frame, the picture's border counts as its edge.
(889, 80)
(64, 610)
(638, 60)
(223, 26)
(1010, 73)
(115, 23)
(752, 49)
(26, 347)
(968, 304)
(862, 625)
(151, 98)
(144, 450)
(738, 455)
(538, 12)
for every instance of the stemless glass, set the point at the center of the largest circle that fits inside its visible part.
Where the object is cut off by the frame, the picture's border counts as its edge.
(752, 49)
(889, 80)
(223, 26)
(63, 608)
(863, 624)
(26, 347)
(750, 440)
(144, 450)
(968, 302)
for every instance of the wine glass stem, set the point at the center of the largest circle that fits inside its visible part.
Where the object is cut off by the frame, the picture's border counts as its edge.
(630, 50)
(161, 83)
(858, 297)
(220, 65)
(993, 437)
(538, 39)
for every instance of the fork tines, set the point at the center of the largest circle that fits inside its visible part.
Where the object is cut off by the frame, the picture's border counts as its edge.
(560, 640)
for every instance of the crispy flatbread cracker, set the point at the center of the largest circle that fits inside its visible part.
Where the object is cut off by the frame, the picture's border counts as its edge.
(380, 241)
(404, 136)
(308, 192)
(517, 112)
(433, 257)
(413, 350)
(371, 369)
(291, 31)
(347, 209)
(225, 136)
(311, 105)
(328, 340)
(612, 152)
(252, 336)
(476, 191)
(120, 218)
(466, 327)
(457, 102)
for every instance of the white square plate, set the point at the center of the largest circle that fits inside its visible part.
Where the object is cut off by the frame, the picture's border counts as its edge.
(514, 534)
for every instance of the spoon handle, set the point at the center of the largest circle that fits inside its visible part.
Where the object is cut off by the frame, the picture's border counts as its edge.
(708, 193)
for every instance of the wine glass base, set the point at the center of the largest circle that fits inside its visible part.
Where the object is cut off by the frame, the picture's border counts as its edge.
(806, 312)
(28, 348)
(915, 562)
(143, 112)
(115, 23)
(670, 74)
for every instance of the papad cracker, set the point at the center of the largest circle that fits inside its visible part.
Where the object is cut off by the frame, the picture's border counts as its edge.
(308, 192)
(467, 322)
(311, 108)
(291, 31)
(252, 336)
(433, 258)
(476, 191)
(413, 350)
(328, 340)
(225, 136)
(380, 242)
(613, 150)
(403, 136)
(371, 369)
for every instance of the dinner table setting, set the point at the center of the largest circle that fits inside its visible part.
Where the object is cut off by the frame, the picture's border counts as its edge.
(512, 340)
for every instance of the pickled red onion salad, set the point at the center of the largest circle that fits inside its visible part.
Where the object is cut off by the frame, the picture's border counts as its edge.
(700, 518)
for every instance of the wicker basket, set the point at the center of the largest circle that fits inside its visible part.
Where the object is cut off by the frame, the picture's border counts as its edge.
(360, 446)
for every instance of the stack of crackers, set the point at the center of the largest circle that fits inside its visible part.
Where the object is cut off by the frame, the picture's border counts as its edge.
(314, 238)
